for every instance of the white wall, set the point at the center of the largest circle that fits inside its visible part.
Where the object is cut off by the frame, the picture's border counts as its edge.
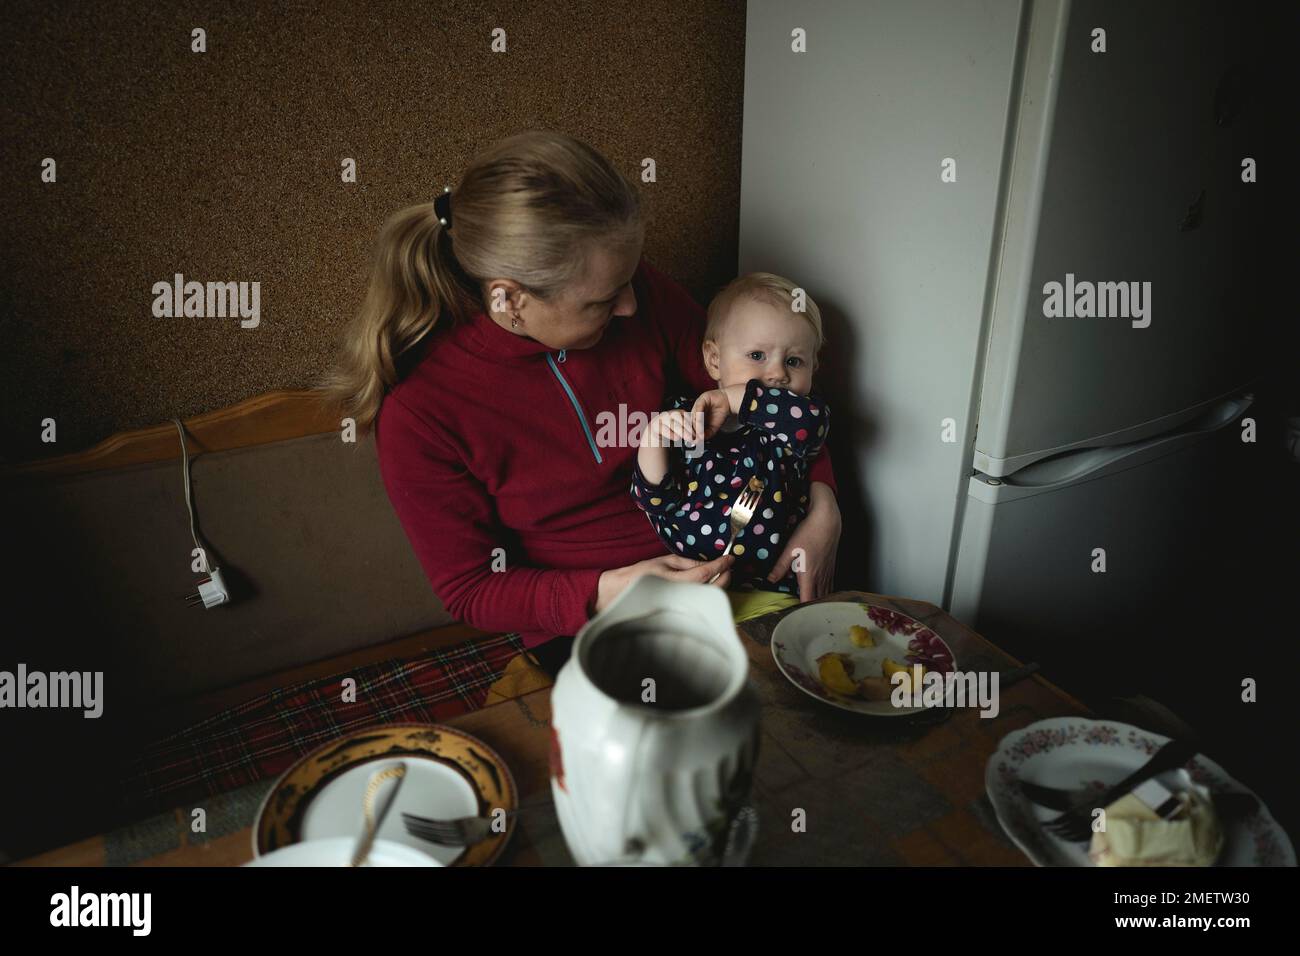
(840, 191)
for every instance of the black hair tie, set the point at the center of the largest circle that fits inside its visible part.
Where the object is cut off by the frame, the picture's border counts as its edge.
(442, 206)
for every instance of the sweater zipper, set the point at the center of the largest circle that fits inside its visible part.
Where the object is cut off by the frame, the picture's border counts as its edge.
(573, 399)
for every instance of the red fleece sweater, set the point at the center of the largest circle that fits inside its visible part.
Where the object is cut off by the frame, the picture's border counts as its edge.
(498, 452)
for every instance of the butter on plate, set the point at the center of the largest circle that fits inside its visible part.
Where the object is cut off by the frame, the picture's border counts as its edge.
(1136, 835)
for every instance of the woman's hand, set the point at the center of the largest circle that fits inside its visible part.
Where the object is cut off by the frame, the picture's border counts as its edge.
(819, 537)
(674, 567)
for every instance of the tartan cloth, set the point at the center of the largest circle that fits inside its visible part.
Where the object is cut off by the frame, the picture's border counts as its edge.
(263, 737)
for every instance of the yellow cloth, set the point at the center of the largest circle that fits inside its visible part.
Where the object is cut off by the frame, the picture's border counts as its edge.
(523, 677)
(746, 605)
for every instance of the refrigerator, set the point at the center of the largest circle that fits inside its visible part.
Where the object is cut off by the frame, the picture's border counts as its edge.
(1095, 504)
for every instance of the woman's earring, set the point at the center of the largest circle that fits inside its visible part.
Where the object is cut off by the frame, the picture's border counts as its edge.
(514, 321)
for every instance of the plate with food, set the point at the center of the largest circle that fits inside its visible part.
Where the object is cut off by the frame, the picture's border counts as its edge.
(448, 774)
(846, 653)
(1220, 822)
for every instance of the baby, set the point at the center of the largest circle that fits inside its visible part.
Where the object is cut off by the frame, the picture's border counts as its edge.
(762, 421)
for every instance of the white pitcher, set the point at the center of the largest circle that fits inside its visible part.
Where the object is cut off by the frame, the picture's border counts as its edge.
(654, 729)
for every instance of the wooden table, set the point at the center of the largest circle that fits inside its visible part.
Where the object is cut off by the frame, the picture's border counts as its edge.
(875, 792)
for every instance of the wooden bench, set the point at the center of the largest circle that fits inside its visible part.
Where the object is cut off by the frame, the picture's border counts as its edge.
(99, 564)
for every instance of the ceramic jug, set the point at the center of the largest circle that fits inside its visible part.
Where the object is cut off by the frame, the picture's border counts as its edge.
(654, 730)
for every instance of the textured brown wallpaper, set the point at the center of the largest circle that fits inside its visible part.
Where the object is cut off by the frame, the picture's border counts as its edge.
(226, 166)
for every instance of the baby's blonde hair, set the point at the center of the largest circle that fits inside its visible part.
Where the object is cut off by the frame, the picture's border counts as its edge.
(762, 287)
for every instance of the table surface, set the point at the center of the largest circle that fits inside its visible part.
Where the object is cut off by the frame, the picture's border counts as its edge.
(873, 791)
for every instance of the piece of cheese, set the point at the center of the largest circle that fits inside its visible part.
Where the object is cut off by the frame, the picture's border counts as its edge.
(1136, 836)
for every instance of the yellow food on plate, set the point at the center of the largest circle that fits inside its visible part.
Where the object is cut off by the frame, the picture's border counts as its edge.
(860, 636)
(835, 671)
(875, 688)
(891, 667)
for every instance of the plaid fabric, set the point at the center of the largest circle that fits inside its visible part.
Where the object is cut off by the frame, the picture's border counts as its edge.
(264, 736)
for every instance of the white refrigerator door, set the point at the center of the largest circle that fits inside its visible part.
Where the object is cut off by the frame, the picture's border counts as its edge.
(1122, 173)
(1094, 563)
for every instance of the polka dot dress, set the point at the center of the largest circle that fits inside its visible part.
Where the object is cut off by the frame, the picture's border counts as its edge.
(780, 433)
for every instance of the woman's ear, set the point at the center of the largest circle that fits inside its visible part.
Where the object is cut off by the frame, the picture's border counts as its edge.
(504, 295)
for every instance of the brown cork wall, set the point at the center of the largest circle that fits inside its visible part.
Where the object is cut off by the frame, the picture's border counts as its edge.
(226, 166)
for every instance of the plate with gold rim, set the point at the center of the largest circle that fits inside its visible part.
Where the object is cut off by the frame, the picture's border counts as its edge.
(449, 774)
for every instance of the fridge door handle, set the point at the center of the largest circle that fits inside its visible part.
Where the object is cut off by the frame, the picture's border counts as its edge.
(1087, 464)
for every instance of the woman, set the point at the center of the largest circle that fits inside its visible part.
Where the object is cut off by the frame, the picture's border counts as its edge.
(509, 330)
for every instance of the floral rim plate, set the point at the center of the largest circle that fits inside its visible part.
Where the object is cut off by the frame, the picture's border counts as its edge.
(1076, 753)
(460, 775)
(806, 634)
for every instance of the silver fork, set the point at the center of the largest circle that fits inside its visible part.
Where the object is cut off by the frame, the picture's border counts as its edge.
(459, 831)
(1075, 825)
(742, 510)
(463, 831)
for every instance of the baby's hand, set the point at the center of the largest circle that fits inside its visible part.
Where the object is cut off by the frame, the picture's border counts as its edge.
(716, 406)
(671, 428)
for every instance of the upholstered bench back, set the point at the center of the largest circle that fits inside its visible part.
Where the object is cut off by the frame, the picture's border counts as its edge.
(302, 529)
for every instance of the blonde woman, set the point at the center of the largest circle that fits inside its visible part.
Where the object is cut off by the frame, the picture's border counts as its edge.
(510, 329)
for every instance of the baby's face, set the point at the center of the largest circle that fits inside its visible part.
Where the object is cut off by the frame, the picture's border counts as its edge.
(763, 341)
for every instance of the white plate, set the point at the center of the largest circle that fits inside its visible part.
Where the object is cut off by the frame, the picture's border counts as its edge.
(808, 633)
(1074, 753)
(449, 774)
(337, 851)
(431, 789)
